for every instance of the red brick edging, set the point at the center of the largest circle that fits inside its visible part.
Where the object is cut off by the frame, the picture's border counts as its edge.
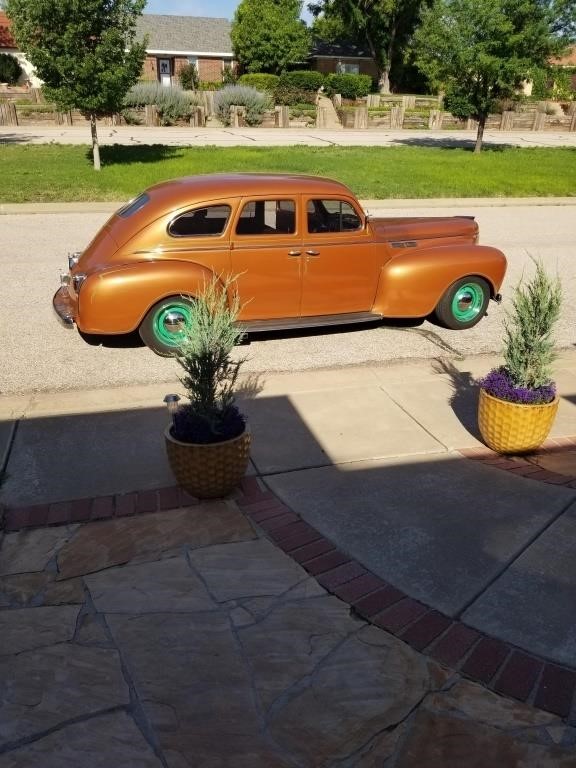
(498, 665)
(527, 465)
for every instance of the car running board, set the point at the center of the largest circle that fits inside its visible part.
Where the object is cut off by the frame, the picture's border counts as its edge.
(290, 323)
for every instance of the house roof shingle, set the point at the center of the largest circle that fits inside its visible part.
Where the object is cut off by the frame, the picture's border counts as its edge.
(341, 49)
(185, 34)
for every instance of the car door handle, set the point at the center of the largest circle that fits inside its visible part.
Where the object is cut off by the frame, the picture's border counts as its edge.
(294, 254)
(312, 253)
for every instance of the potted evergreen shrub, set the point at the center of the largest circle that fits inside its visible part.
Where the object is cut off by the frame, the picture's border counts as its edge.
(518, 400)
(208, 443)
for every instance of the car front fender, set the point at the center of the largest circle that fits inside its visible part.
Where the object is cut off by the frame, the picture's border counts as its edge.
(412, 282)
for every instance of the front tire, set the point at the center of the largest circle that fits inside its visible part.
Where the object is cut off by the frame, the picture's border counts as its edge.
(464, 304)
(163, 328)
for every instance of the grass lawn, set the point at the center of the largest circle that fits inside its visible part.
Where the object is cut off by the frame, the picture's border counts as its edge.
(64, 173)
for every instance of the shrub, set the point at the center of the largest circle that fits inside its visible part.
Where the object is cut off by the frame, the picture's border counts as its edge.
(228, 75)
(189, 77)
(211, 414)
(304, 80)
(262, 81)
(209, 85)
(10, 69)
(292, 96)
(348, 85)
(256, 103)
(528, 351)
(540, 83)
(172, 103)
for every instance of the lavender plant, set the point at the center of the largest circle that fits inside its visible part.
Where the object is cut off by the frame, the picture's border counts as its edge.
(256, 103)
(172, 102)
(526, 376)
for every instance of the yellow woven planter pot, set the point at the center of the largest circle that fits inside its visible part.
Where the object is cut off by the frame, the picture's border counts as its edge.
(513, 427)
(208, 471)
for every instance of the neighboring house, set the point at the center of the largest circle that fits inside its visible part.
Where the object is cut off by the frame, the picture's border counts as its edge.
(8, 45)
(176, 41)
(342, 57)
(569, 62)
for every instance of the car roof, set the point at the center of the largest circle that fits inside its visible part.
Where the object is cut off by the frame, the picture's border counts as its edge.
(194, 189)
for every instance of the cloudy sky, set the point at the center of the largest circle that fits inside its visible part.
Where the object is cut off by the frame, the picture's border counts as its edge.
(215, 8)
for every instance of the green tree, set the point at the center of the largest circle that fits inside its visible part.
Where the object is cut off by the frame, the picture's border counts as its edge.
(478, 52)
(10, 69)
(385, 26)
(84, 51)
(269, 36)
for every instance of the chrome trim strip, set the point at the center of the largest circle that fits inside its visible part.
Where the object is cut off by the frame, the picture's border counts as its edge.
(203, 248)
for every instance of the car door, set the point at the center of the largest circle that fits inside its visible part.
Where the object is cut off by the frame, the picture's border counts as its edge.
(339, 263)
(266, 257)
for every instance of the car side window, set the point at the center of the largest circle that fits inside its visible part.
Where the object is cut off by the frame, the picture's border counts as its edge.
(332, 216)
(267, 217)
(200, 222)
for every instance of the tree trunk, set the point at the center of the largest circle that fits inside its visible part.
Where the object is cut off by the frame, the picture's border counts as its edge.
(384, 80)
(95, 145)
(480, 134)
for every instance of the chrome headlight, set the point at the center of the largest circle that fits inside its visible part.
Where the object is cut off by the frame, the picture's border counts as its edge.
(73, 259)
(77, 281)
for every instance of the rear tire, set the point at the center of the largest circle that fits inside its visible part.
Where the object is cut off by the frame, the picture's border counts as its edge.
(464, 304)
(163, 328)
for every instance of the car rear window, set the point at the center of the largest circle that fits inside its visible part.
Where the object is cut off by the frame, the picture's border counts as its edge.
(210, 220)
(134, 205)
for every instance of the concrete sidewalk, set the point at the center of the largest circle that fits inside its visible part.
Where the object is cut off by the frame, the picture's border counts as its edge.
(186, 136)
(361, 486)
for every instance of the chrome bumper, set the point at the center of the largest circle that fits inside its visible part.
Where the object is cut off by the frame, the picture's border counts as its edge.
(63, 307)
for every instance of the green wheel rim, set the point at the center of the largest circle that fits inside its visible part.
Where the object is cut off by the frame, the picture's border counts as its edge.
(467, 302)
(169, 324)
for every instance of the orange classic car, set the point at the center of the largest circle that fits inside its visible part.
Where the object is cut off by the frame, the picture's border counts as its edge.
(303, 250)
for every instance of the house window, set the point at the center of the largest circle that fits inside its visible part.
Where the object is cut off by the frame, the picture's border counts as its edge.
(348, 68)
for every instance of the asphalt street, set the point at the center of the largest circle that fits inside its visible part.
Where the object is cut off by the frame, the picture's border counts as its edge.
(37, 354)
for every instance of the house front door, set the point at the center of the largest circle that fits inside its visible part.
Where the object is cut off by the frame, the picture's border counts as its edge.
(165, 71)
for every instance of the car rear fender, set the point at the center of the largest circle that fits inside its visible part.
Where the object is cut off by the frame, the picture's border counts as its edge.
(412, 282)
(116, 300)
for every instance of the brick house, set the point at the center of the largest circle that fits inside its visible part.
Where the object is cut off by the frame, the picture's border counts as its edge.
(342, 57)
(568, 61)
(176, 41)
(8, 45)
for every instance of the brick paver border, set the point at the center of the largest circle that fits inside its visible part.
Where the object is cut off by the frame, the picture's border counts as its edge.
(527, 465)
(500, 666)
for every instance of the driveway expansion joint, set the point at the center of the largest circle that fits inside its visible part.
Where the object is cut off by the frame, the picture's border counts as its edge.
(498, 665)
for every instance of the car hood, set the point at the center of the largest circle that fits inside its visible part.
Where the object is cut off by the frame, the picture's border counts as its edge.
(424, 228)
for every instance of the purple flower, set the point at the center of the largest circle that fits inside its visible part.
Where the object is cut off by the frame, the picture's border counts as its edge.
(499, 384)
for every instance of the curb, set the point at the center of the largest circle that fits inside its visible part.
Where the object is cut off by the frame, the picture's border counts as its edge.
(103, 206)
(500, 666)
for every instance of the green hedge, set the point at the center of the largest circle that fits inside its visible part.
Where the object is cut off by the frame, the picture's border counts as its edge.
(262, 81)
(302, 80)
(348, 85)
(291, 96)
